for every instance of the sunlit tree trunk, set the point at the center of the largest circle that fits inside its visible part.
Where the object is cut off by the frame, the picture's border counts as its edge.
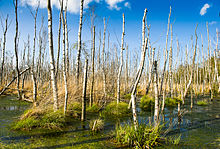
(58, 43)
(51, 53)
(141, 66)
(5, 29)
(93, 69)
(103, 60)
(33, 58)
(156, 108)
(79, 43)
(83, 117)
(64, 61)
(170, 65)
(166, 54)
(192, 69)
(16, 47)
(121, 62)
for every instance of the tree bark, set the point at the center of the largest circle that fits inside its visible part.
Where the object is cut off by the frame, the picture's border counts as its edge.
(83, 117)
(141, 66)
(93, 69)
(79, 43)
(121, 63)
(51, 52)
(3, 48)
(16, 46)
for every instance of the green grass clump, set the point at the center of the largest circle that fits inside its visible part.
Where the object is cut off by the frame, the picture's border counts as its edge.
(127, 96)
(172, 102)
(96, 125)
(40, 119)
(93, 109)
(115, 109)
(147, 103)
(202, 103)
(145, 136)
(76, 106)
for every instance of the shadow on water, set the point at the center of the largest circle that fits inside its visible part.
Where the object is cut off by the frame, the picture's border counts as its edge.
(197, 127)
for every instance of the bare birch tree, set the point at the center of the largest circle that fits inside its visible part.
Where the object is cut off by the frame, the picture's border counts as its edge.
(51, 52)
(16, 47)
(79, 43)
(121, 62)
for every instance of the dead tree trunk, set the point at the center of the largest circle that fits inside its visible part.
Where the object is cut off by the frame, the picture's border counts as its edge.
(33, 57)
(79, 43)
(64, 61)
(193, 63)
(16, 46)
(141, 66)
(103, 61)
(58, 44)
(93, 69)
(83, 117)
(166, 54)
(156, 108)
(170, 65)
(6, 87)
(5, 29)
(51, 52)
(121, 63)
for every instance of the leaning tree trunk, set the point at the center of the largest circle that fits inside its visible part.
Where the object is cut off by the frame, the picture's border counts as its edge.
(51, 52)
(193, 63)
(16, 47)
(166, 54)
(121, 63)
(79, 43)
(141, 66)
(84, 91)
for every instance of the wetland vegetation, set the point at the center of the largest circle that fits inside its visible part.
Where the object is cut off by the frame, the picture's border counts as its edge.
(95, 95)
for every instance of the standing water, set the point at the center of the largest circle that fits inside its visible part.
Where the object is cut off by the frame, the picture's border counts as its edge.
(198, 128)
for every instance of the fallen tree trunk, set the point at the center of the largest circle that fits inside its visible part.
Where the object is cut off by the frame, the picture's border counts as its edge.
(6, 87)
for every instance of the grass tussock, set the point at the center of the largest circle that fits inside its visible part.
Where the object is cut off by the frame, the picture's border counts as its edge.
(114, 109)
(172, 102)
(145, 136)
(93, 109)
(147, 103)
(202, 103)
(40, 119)
(96, 125)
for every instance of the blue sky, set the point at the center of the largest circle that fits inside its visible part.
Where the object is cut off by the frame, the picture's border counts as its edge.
(185, 15)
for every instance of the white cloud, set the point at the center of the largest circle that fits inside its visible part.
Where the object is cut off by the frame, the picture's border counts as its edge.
(204, 9)
(73, 5)
(212, 23)
(113, 4)
(128, 5)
